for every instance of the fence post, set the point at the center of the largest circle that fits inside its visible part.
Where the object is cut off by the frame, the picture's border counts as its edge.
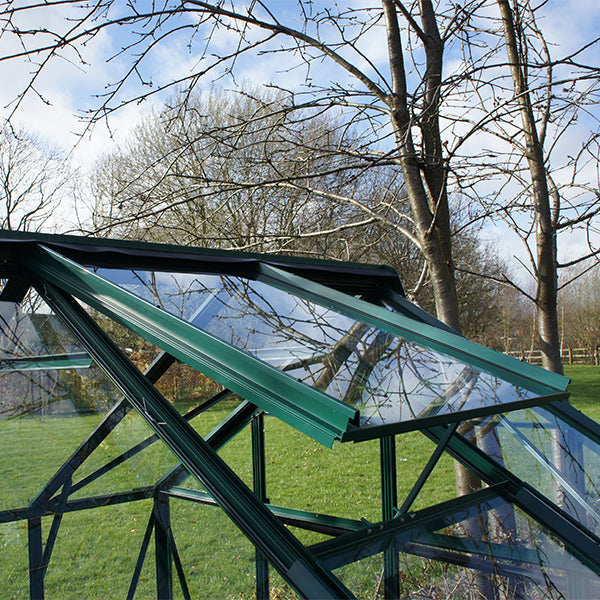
(596, 355)
(570, 356)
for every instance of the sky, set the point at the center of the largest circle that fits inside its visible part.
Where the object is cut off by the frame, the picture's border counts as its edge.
(75, 82)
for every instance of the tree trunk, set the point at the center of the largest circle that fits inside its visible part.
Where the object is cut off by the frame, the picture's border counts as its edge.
(546, 263)
(429, 207)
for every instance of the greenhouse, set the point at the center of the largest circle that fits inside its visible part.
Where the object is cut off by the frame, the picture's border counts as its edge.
(188, 423)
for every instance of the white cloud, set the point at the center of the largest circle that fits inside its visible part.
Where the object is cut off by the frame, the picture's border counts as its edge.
(70, 88)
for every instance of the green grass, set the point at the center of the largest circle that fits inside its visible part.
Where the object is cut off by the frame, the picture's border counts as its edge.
(96, 550)
(585, 389)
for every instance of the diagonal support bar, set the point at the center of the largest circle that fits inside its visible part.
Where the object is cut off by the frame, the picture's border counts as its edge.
(139, 447)
(433, 460)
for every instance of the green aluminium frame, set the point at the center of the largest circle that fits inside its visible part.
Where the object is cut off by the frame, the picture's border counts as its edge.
(61, 271)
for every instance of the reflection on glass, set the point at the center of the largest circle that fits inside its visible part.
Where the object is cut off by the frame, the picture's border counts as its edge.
(488, 550)
(389, 379)
(32, 332)
(45, 415)
(52, 397)
(549, 454)
(519, 558)
(43, 369)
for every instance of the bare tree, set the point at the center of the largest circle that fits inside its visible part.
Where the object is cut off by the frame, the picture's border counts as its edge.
(540, 158)
(33, 180)
(403, 107)
(241, 170)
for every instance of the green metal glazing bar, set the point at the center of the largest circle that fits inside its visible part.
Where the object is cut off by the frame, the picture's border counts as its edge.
(15, 289)
(179, 568)
(510, 369)
(216, 439)
(420, 423)
(58, 506)
(307, 409)
(53, 533)
(36, 565)
(375, 538)
(327, 524)
(389, 504)
(293, 561)
(259, 481)
(162, 544)
(42, 363)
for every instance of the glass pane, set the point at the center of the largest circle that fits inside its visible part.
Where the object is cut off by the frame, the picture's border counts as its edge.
(514, 552)
(364, 578)
(137, 349)
(96, 552)
(45, 417)
(389, 379)
(550, 455)
(14, 560)
(496, 547)
(236, 452)
(295, 468)
(217, 559)
(130, 457)
(185, 388)
(32, 331)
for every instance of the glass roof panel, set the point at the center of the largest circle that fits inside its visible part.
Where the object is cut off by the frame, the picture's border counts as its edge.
(549, 454)
(389, 379)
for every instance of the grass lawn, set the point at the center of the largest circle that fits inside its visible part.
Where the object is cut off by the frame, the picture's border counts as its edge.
(96, 551)
(585, 389)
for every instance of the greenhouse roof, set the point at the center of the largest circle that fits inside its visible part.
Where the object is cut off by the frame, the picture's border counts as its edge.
(333, 350)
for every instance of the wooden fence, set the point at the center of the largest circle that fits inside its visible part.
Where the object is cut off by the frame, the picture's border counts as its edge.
(570, 356)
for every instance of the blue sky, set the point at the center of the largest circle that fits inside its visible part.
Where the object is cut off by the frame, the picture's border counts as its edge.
(69, 87)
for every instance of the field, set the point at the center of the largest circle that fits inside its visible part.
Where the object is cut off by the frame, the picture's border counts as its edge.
(585, 389)
(96, 551)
